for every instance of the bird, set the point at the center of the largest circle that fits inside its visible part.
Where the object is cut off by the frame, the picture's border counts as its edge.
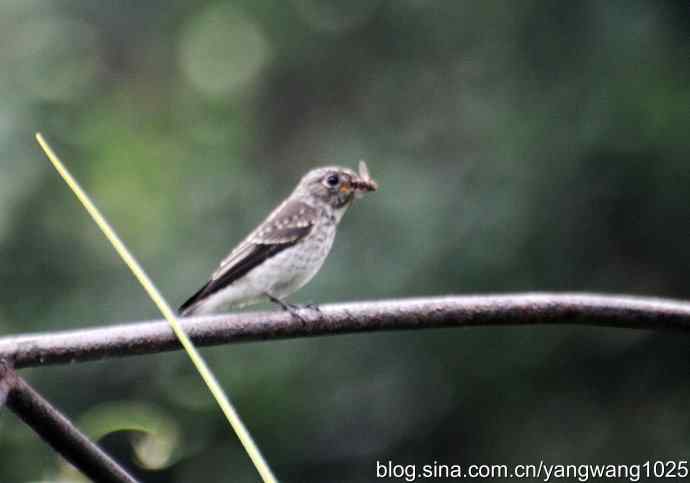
(288, 248)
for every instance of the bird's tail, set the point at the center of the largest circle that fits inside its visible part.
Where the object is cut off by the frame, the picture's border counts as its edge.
(192, 304)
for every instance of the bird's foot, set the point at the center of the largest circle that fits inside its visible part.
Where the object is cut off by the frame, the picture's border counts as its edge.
(292, 308)
(314, 307)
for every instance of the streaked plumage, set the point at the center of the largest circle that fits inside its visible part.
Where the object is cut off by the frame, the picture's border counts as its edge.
(283, 253)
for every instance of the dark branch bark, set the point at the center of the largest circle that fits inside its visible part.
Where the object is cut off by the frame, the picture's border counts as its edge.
(58, 431)
(422, 313)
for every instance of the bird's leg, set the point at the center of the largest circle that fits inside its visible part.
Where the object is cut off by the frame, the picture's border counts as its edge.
(314, 307)
(284, 305)
(292, 308)
(288, 306)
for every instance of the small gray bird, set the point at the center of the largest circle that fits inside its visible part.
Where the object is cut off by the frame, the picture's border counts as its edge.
(285, 251)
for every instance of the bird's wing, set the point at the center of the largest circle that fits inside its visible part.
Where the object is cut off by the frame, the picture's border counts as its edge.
(287, 225)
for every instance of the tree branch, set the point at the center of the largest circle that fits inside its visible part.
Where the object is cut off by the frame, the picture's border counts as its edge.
(421, 313)
(6, 378)
(58, 431)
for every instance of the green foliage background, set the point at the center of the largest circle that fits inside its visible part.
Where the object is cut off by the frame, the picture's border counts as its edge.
(520, 146)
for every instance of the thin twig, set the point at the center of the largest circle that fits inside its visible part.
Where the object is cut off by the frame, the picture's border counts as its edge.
(58, 431)
(422, 313)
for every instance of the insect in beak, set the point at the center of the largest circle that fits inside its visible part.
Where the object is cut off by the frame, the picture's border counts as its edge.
(364, 183)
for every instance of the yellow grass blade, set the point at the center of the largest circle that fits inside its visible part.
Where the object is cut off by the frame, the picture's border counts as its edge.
(201, 366)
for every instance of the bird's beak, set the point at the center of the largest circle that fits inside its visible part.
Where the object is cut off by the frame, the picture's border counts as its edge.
(363, 183)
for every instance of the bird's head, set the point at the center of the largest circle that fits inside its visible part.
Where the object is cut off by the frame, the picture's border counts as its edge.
(336, 186)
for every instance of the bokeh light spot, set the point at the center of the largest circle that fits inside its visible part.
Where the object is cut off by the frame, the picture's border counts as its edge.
(222, 50)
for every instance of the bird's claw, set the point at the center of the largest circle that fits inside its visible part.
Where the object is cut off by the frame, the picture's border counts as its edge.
(313, 307)
(293, 309)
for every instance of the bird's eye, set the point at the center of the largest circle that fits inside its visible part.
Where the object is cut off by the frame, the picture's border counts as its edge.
(333, 180)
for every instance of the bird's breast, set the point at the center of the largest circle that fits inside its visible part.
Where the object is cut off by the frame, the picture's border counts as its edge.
(292, 268)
